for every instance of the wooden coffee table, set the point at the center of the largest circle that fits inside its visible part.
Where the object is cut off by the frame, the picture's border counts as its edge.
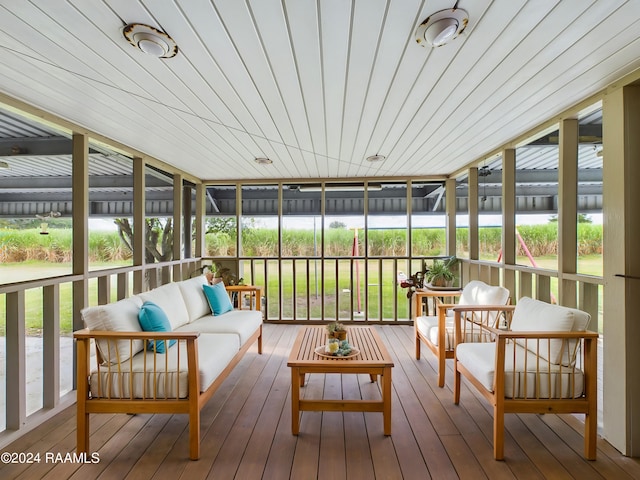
(373, 359)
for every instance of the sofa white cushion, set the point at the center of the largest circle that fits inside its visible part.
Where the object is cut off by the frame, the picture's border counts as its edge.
(535, 315)
(539, 379)
(169, 298)
(121, 316)
(242, 323)
(215, 351)
(194, 298)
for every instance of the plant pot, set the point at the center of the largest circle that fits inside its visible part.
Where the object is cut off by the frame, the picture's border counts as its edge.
(342, 335)
(441, 282)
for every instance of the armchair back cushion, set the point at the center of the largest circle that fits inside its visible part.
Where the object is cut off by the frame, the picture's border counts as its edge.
(535, 315)
(479, 293)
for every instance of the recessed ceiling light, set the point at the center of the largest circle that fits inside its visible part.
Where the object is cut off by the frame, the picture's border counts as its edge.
(150, 40)
(376, 158)
(263, 161)
(442, 27)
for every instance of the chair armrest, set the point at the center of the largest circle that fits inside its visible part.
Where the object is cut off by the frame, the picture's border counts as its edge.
(439, 293)
(478, 308)
(506, 334)
(482, 319)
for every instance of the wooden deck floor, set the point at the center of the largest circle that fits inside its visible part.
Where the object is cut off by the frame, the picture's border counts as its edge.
(246, 429)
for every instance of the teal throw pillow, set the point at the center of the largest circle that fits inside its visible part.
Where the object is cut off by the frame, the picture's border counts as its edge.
(153, 319)
(218, 298)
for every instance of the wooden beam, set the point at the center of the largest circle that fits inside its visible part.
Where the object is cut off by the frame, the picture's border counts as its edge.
(51, 345)
(139, 224)
(509, 217)
(450, 205)
(568, 210)
(178, 240)
(16, 351)
(474, 242)
(80, 196)
(200, 219)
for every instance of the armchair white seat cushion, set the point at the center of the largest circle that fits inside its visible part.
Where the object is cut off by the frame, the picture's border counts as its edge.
(526, 374)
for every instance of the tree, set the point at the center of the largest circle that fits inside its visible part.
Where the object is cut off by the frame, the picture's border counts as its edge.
(337, 224)
(155, 232)
(221, 225)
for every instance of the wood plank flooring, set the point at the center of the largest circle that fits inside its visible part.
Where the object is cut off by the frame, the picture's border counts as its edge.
(246, 432)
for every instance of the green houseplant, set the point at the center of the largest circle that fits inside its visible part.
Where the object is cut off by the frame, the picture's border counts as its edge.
(440, 274)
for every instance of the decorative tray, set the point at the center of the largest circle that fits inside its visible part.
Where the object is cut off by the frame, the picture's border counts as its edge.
(320, 351)
(433, 287)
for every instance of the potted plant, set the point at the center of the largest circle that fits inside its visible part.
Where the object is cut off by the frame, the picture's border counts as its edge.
(336, 330)
(440, 274)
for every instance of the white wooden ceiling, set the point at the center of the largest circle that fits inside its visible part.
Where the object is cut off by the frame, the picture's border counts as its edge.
(316, 86)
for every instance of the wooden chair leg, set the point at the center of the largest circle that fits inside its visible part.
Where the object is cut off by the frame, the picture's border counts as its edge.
(82, 431)
(456, 384)
(417, 347)
(441, 366)
(498, 432)
(194, 433)
(590, 435)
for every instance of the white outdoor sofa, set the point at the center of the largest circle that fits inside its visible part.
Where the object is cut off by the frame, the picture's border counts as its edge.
(120, 371)
(544, 362)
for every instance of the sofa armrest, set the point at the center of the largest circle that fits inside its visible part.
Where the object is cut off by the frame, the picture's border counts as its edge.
(120, 370)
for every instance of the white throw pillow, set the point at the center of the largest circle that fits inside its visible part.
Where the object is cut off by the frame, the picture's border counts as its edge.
(169, 298)
(194, 297)
(121, 316)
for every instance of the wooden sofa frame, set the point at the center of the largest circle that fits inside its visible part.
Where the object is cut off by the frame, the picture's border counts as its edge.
(152, 403)
(586, 404)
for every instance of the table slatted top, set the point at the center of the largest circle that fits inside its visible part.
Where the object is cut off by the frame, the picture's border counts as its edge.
(372, 350)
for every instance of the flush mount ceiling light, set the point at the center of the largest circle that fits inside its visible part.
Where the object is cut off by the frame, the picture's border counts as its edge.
(442, 27)
(263, 161)
(376, 158)
(150, 40)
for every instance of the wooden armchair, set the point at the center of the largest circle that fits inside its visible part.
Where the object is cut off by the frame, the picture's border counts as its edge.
(545, 362)
(437, 331)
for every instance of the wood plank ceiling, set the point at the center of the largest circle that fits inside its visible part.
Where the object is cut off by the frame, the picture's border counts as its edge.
(316, 86)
